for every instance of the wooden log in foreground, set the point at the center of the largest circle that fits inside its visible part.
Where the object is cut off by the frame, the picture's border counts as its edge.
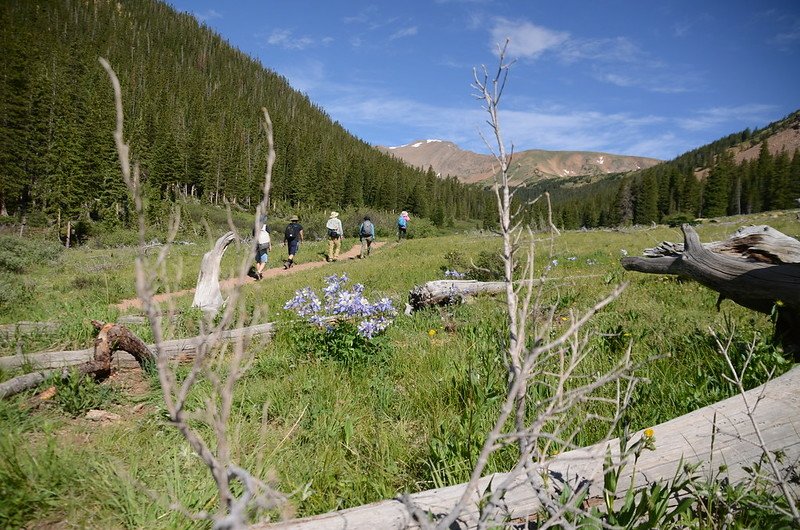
(177, 348)
(686, 439)
(757, 268)
(207, 295)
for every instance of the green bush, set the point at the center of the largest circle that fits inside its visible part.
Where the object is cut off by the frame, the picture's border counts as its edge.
(78, 393)
(18, 254)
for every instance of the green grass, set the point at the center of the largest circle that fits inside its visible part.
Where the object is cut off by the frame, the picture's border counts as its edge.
(344, 436)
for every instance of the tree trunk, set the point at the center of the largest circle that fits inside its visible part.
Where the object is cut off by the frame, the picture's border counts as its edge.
(207, 295)
(758, 268)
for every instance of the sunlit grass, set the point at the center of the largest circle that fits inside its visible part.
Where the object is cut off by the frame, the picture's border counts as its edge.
(342, 437)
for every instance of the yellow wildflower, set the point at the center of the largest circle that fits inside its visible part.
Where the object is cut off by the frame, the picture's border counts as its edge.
(431, 332)
(648, 433)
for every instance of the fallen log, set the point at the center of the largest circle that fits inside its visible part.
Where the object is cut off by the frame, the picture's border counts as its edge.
(719, 433)
(758, 268)
(207, 294)
(27, 328)
(174, 349)
(446, 292)
(110, 338)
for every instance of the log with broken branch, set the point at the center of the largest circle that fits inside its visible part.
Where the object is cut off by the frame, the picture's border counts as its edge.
(115, 345)
(757, 267)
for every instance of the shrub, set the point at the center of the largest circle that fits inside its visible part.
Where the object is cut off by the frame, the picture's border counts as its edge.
(18, 254)
(343, 324)
(79, 393)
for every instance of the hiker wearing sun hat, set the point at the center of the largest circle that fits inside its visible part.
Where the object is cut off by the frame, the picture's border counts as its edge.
(292, 237)
(335, 233)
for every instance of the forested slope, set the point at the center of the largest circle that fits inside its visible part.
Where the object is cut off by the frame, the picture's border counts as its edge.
(704, 182)
(192, 109)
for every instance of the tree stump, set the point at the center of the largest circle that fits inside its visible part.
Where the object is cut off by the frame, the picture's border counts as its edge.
(758, 268)
(207, 295)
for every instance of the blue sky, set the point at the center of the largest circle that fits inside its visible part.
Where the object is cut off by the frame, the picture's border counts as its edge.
(653, 78)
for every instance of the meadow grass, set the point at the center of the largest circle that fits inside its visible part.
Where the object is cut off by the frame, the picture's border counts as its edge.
(338, 436)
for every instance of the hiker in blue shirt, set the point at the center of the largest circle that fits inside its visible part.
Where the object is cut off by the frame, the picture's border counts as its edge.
(402, 225)
(366, 233)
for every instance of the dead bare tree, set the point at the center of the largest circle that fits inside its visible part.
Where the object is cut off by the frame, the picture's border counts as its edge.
(221, 369)
(537, 352)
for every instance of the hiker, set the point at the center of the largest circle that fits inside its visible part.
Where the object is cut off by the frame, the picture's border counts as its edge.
(366, 233)
(402, 225)
(335, 233)
(292, 237)
(263, 248)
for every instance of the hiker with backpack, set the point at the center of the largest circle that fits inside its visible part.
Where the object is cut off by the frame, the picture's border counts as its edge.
(292, 237)
(335, 234)
(366, 233)
(263, 247)
(402, 225)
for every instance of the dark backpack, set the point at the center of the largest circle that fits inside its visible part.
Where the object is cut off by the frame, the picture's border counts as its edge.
(366, 229)
(333, 233)
(292, 231)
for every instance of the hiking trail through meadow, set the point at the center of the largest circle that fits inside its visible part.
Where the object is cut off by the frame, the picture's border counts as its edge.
(353, 253)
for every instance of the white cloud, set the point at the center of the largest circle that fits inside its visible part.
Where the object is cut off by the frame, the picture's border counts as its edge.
(207, 15)
(404, 32)
(526, 40)
(618, 49)
(286, 39)
(754, 113)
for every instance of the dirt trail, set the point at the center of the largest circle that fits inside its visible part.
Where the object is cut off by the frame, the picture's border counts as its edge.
(136, 303)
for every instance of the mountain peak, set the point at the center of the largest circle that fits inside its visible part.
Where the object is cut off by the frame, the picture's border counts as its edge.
(446, 158)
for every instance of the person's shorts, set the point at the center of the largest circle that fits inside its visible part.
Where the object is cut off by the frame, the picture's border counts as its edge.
(262, 257)
(293, 246)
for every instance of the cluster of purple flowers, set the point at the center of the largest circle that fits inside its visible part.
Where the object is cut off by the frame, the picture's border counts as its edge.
(453, 275)
(342, 305)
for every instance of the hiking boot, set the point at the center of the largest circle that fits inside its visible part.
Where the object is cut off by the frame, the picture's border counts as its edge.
(285, 265)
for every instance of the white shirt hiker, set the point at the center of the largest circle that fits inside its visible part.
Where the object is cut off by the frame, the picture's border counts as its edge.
(335, 224)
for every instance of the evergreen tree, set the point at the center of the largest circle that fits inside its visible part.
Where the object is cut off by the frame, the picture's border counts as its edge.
(717, 187)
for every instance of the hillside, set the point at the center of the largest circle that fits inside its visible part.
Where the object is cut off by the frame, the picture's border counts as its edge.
(744, 172)
(446, 158)
(193, 119)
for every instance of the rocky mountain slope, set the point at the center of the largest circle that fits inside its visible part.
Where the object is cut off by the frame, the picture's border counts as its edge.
(446, 158)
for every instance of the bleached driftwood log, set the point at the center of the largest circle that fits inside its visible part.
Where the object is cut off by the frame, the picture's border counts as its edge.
(207, 295)
(174, 349)
(444, 292)
(110, 338)
(687, 439)
(758, 268)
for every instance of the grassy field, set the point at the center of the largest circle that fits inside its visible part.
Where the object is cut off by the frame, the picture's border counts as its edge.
(337, 435)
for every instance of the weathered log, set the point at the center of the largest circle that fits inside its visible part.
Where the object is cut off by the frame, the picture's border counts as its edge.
(719, 433)
(172, 349)
(110, 338)
(207, 295)
(445, 292)
(755, 271)
(756, 243)
(27, 328)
